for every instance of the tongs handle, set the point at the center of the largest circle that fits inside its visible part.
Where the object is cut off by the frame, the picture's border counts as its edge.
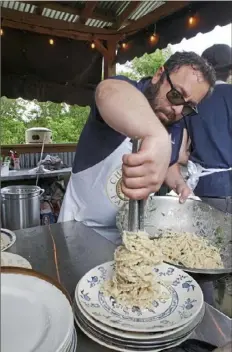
(136, 207)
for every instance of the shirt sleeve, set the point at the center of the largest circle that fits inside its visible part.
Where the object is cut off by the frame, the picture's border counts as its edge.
(176, 132)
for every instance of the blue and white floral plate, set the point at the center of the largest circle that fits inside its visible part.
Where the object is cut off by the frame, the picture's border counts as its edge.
(185, 302)
(137, 337)
(124, 347)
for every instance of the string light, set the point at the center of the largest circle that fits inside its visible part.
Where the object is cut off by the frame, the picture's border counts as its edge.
(93, 46)
(51, 41)
(191, 20)
(153, 38)
(2, 31)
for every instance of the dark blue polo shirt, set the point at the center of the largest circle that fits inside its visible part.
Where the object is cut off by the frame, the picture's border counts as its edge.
(211, 135)
(98, 140)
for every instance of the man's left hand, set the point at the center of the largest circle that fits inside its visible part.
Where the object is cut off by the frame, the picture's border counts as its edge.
(183, 191)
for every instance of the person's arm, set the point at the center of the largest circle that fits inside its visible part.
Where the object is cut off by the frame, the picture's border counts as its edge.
(184, 149)
(125, 109)
(176, 182)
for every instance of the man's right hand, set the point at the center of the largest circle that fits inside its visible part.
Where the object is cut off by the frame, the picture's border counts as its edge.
(143, 173)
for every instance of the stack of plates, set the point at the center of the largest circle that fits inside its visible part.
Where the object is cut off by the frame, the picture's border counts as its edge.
(36, 313)
(168, 323)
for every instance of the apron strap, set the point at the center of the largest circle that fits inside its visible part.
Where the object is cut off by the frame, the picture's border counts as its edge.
(196, 171)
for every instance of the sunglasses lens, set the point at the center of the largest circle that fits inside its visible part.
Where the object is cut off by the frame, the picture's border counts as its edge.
(175, 97)
(187, 111)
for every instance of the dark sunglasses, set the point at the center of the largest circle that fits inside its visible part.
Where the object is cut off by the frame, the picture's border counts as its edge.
(176, 98)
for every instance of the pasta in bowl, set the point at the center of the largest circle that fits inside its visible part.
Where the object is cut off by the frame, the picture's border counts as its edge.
(193, 236)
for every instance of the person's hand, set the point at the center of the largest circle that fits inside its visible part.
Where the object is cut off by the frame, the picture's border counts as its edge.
(143, 173)
(183, 191)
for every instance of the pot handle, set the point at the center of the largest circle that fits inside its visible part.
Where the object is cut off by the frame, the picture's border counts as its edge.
(41, 191)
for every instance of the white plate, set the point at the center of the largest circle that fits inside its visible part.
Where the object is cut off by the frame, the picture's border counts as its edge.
(137, 338)
(8, 238)
(185, 302)
(110, 345)
(128, 344)
(10, 259)
(36, 315)
(73, 343)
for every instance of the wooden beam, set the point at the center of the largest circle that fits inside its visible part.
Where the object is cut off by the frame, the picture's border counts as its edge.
(109, 60)
(42, 21)
(122, 19)
(87, 11)
(100, 47)
(47, 31)
(53, 5)
(164, 10)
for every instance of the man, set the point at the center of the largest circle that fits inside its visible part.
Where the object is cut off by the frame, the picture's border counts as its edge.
(210, 133)
(105, 172)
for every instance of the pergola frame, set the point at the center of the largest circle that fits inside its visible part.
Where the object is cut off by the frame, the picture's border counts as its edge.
(105, 39)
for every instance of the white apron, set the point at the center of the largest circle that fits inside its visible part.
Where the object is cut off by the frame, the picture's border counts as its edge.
(94, 196)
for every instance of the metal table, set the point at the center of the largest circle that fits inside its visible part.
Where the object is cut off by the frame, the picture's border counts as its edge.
(66, 251)
(25, 174)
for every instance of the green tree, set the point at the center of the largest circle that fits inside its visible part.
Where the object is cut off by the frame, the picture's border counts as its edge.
(66, 122)
(147, 64)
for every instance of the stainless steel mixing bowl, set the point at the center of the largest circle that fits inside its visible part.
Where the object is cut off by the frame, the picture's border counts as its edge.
(166, 213)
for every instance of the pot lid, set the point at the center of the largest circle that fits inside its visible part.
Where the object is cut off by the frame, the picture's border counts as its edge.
(38, 129)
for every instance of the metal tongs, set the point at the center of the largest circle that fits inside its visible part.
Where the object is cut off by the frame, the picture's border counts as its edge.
(136, 207)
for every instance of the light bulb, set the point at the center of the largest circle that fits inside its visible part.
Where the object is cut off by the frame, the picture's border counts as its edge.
(51, 41)
(153, 38)
(191, 20)
(93, 45)
(1, 31)
(124, 45)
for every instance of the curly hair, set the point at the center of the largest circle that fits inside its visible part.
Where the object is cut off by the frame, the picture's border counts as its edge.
(192, 59)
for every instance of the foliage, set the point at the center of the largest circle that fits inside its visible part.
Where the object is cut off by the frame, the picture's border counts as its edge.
(66, 122)
(146, 65)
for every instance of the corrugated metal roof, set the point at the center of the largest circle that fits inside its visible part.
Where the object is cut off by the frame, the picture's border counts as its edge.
(115, 8)
(19, 6)
(145, 8)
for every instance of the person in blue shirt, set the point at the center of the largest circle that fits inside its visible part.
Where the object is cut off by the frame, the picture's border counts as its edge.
(210, 134)
(105, 173)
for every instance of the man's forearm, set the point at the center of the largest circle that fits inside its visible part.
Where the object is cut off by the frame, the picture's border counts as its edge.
(174, 178)
(126, 110)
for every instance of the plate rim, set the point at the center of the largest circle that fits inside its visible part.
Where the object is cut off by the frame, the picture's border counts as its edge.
(17, 255)
(38, 275)
(93, 338)
(11, 234)
(201, 316)
(106, 328)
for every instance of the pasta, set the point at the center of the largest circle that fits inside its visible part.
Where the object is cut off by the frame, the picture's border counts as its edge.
(189, 250)
(134, 282)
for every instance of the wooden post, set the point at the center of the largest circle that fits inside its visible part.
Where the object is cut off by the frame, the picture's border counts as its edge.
(109, 59)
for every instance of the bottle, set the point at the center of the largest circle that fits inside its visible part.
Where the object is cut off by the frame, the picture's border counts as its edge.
(16, 161)
(11, 156)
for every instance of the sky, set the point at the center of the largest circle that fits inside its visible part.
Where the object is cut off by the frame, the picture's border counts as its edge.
(219, 35)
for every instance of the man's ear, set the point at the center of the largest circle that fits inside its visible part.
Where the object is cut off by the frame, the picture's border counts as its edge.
(157, 75)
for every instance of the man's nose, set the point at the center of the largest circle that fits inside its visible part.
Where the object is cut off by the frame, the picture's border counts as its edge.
(178, 110)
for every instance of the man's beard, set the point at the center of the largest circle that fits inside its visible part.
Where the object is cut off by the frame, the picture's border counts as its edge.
(152, 95)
